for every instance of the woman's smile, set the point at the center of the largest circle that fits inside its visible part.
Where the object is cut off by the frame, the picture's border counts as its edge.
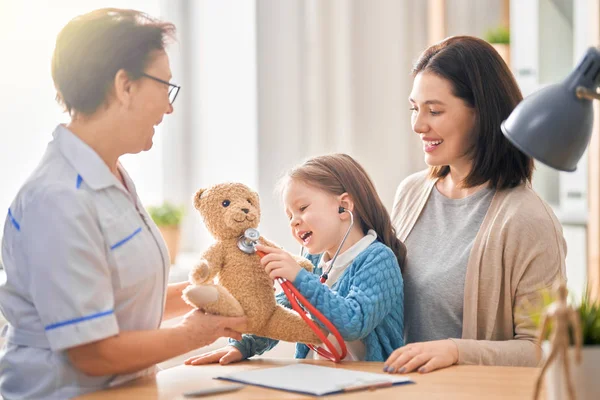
(430, 145)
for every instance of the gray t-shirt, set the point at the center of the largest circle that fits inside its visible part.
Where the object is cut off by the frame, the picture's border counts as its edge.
(434, 274)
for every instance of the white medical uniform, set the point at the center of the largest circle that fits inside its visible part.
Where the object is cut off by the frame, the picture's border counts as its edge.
(84, 261)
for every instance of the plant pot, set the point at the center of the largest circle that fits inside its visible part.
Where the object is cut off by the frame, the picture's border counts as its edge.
(585, 376)
(171, 235)
(504, 51)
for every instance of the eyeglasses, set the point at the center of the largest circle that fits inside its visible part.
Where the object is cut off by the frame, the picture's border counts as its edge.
(173, 89)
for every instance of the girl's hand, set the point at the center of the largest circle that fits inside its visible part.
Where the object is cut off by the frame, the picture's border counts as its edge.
(223, 356)
(426, 356)
(278, 263)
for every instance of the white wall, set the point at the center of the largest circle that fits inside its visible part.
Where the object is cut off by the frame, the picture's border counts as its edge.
(212, 136)
(386, 41)
(280, 112)
(473, 17)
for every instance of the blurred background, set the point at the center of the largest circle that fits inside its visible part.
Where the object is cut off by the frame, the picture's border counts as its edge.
(267, 83)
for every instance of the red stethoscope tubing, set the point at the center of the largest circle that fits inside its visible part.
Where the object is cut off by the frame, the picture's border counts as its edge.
(330, 353)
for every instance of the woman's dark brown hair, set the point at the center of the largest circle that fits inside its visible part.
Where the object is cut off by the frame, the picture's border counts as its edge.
(481, 78)
(338, 174)
(93, 47)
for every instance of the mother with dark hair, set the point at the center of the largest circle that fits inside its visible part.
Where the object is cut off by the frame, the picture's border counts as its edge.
(87, 269)
(481, 243)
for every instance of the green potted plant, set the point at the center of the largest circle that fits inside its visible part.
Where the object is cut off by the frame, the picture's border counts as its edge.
(167, 217)
(585, 376)
(499, 38)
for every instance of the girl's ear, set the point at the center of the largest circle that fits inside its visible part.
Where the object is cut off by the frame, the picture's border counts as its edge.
(346, 201)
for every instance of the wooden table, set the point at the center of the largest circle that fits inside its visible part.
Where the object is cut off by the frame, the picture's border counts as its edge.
(458, 382)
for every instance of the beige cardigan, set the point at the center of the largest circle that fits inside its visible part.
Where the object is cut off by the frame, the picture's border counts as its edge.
(518, 251)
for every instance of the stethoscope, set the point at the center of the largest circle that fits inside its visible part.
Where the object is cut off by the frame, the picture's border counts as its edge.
(247, 244)
(325, 275)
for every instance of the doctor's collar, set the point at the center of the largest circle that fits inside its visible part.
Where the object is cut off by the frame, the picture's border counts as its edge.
(88, 164)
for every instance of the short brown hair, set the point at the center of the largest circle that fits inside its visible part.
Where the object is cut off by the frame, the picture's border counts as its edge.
(338, 174)
(93, 47)
(481, 78)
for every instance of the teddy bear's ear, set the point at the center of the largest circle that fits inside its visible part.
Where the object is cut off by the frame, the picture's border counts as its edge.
(197, 198)
(256, 199)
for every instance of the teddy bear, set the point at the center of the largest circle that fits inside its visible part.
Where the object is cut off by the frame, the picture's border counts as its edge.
(243, 287)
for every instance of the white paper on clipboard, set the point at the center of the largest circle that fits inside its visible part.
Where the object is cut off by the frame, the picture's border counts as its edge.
(312, 379)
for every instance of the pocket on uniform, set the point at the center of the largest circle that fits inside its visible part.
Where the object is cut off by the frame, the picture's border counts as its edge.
(128, 242)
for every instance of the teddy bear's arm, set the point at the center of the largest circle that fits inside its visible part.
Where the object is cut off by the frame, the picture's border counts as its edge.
(209, 266)
(266, 242)
(304, 263)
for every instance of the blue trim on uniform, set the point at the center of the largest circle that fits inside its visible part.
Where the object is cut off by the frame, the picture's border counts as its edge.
(114, 246)
(13, 220)
(79, 180)
(77, 320)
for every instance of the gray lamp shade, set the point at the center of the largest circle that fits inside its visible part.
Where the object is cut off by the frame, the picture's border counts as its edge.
(554, 125)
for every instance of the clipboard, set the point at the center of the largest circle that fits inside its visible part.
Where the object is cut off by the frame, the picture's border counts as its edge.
(315, 380)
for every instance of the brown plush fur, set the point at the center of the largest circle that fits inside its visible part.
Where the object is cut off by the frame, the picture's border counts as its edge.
(243, 287)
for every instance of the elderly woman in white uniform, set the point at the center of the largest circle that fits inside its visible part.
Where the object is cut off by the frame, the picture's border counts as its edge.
(86, 267)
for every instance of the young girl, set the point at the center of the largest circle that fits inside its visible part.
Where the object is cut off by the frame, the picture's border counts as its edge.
(363, 295)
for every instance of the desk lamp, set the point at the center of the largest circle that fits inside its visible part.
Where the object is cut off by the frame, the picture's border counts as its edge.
(554, 124)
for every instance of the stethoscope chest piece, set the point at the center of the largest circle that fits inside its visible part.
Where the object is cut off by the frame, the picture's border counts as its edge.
(247, 242)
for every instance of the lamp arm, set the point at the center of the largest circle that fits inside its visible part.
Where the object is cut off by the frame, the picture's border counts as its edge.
(584, 93)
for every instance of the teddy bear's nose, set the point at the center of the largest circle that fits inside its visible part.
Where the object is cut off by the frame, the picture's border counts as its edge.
(245, 210)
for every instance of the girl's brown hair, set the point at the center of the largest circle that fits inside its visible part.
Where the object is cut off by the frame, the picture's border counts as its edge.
(338, 174)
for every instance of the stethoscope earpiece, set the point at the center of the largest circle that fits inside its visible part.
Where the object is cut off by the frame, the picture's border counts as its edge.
(325, 275)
